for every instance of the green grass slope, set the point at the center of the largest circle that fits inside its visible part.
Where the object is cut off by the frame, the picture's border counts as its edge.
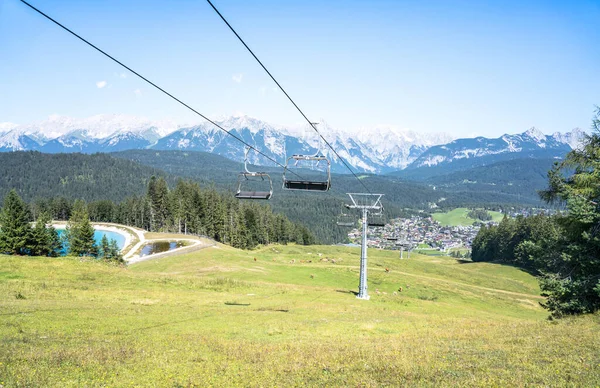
(459, 217)
(284, 316)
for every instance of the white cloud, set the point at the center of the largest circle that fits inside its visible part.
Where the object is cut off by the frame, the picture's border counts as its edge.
(237, 77)
(101, 84)
(262, 90)
(137, 92)
(123, 75)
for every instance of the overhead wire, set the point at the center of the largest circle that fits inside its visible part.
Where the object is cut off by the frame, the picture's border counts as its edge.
(156, 86)
(288, 96)
(163, 90)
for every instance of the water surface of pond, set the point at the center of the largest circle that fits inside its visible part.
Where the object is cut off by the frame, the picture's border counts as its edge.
(159, 247)
(98, 234)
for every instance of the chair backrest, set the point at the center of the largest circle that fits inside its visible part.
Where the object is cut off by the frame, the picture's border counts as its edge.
(294, 181)
(247, 180)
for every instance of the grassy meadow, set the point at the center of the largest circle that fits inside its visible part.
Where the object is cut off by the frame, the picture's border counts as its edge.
(284, 316)
(458, 217)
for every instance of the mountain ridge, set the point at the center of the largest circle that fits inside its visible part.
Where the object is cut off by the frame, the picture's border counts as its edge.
(378, 150)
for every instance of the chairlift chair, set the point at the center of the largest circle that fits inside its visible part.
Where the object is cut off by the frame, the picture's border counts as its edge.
(403, 243)
(300, 183)
(399, 238)
(376, 219)
(247, 178)
(310, 183)
(347, 220)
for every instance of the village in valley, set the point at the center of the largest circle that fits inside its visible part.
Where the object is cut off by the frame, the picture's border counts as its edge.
(427, 235)
(418, 233)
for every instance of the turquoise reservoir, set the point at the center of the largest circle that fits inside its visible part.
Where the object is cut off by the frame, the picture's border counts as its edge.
(98, 234)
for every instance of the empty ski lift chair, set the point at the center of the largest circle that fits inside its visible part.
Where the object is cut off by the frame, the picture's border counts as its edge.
(376, 219)
(247, 180)
(346, 220)
(303, 179)
(395, 236)
(297, 182)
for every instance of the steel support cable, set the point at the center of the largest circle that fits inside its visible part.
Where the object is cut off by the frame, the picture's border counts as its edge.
(156, 86)
(165, 92)
(287, 95)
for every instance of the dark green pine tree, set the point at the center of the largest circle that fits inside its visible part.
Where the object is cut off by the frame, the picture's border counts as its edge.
(115, 251)
(104, 250)
(109, 250)
(180, 205)
(504, 235)
(61, 208)
(158, 195)
(80, 232)
(56, 244)
(45, 240)
(572, 273)
(15, 232)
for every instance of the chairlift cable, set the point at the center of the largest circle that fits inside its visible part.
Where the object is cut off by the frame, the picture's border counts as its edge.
(154, 85)
(287, 95)
(158, 87)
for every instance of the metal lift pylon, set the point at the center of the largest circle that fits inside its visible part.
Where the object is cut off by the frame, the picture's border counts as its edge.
(366, 203)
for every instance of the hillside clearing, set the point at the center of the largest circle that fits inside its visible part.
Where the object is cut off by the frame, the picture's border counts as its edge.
(459, 217)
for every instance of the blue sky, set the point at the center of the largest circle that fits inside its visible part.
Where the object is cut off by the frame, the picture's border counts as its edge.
(462, 67)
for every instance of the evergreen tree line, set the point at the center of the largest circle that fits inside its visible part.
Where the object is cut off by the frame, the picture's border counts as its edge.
(188, 209)
(19, 237)
(564, 249)
(519, 241)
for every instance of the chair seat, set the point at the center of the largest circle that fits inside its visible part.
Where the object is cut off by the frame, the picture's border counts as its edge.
(306, 185)
(253, 195)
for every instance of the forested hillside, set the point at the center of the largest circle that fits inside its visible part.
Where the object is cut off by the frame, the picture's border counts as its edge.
(400, 193)
(522, 178)
(104, 177)
(205, 168)
(90, 177)
(318, 211)
(512, 182)
(101, 178)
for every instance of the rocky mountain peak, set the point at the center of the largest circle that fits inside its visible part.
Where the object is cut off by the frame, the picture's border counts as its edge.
(378, 149)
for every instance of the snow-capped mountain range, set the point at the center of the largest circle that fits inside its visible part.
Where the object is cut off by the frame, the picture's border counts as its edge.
(376, 150)
(478, 151)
